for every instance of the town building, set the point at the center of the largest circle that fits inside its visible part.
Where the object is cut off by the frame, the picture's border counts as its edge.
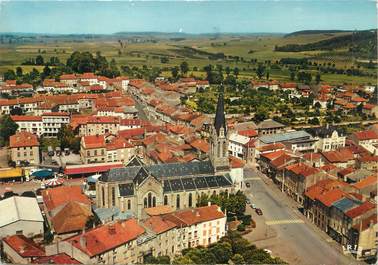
(23, 216)
(179, 185)
(19, 249)
(329, 138)
(24, 148)
(67, 210)
(270, 126)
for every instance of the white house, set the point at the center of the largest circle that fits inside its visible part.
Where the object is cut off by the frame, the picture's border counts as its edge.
(237, 145)
(20, 215)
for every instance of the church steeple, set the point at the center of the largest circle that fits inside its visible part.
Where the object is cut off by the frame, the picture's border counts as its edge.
(219, 140)
(220, 119)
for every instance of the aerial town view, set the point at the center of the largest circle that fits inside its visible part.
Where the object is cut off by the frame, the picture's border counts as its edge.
(188, 132)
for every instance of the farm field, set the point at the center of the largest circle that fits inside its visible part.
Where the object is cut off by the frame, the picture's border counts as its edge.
(193, 49)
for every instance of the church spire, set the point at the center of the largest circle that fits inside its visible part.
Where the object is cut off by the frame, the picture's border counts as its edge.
(220, 119)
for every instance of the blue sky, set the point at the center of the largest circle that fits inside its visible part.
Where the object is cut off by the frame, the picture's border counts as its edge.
(187, 16)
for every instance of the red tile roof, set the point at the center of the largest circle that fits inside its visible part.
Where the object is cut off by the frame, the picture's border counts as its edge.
(23, 139)
(24, 246)
(201, 145)
(236, 162)
(59, 196)
(371, 180)
(60, 258)
(107, 237)
(195, 216)
(71, 218)
(365, 223)
(273, 155)
(302, 169)
(91, 168)
(158, 224)
(359, 210)
(342, 155)
(248, 133)
(366, 135)
(271, 147)
(118, 143)
(368, 158)
(328, 198)
(94, 141)
(56, 114)
(16, 118)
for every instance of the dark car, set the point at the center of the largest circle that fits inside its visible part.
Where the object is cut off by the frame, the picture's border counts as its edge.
(258, 211)
(247, 184)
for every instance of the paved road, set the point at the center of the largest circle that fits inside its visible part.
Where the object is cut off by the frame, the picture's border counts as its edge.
(308, 245)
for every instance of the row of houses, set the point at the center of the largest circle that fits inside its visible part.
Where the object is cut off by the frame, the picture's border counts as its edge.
(335, 186)
(114, 237)
(66, 83)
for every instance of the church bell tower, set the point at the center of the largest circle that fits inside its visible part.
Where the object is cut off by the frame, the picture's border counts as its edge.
(219, 139)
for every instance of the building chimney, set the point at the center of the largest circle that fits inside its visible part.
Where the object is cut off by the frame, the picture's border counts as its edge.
(208, 203)
(83, 241)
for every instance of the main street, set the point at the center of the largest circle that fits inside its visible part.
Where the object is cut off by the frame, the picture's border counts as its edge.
(293, 233)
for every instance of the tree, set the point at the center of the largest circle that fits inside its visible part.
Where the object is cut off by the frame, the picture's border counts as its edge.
(39, 60)
(19, 71)
(184, 67)
(236, 72)
(164, 60)
(292, 76)
(260, 70)
(317, 105)
(267, 75)
(222, 252)
(238, 259)
(227, 70)
(175, 72)
(182, 260)
(7, 128)
(68, 139)
(157, 260)
(9, 75)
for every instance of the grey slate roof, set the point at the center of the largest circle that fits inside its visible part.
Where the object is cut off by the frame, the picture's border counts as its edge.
(345, 204)
(135, 161)
(324, 132)
(267, 124)
(159, 171)
(285, 137)
(193, 183)
(220, 118)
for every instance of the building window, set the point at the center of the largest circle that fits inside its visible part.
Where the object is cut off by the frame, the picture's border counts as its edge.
(154, 201)
(190, 202)
(103, 196)
(128, 204)
(149, 199)
(178, 201)
(145, 202)
(113, 196)
(165, 200)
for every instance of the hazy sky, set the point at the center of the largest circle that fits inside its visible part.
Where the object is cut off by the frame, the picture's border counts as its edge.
(187, 16)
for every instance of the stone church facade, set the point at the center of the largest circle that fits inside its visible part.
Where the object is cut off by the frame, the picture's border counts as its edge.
(179, 185)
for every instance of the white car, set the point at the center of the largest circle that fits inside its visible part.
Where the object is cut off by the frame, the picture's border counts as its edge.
(253, 206)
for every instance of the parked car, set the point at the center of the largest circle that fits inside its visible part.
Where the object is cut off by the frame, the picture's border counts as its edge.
(259, 211)
(253, 206)
(247, 184)
(248, 201)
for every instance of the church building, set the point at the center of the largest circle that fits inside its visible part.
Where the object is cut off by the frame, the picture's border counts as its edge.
(178, 185)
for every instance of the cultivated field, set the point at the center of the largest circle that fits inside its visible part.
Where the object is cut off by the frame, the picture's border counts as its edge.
(195, 50)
